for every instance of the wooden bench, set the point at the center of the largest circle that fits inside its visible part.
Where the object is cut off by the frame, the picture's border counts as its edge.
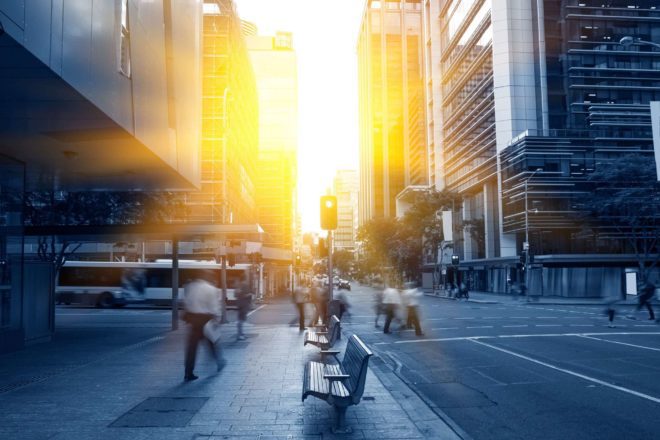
(341, 385)
(325, 339)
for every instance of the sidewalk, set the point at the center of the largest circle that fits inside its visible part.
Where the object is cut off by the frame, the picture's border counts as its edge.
(136, 392)
(505, 298)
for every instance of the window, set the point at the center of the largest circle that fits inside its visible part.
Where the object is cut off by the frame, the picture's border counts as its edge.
(124, 59)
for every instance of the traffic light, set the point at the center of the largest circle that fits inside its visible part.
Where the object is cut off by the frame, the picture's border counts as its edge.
(523, 257)
(323, 250)
(328, 213)
(455, 260)
(231, 260)
(298, 259)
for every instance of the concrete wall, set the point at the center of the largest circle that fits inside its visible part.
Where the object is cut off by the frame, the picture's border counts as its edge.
(80, 39)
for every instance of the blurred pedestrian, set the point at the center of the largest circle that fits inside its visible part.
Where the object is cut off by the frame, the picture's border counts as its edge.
(299, 294)
(202, 304)
(645, 296)
(319, 296)
(411, 296)
(378, 306)
(244, 301)
(391, 302)
(344, 303)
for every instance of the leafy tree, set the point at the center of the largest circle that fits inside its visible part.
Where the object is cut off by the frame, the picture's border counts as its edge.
(93, 208)
(343, 261)
(624, 206)
(401, 243)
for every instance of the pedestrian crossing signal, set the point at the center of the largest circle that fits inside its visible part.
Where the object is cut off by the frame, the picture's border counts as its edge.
(455, 260)
(328, 213)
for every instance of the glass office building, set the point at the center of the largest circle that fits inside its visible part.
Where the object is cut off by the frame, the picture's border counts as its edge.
(527, 98)
(393, 145)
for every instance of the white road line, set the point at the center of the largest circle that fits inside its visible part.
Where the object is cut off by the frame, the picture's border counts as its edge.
(510, 326)
(621, 343)
(644, 325)
(257, 309)
(529, 335)
(572, 373)
(444, 328)
(481, 326)
(581, 325)
(520, 317)
(547, 325)
(469, 317)
(546, 317)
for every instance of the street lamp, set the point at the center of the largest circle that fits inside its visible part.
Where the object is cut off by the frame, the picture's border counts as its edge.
(628, 41)
(526, 244)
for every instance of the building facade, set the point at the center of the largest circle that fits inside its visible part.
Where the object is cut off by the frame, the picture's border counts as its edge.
(527, 98)
(230, 118)
(346, 189)
(275, 64)
(393, 144)
(92, 97)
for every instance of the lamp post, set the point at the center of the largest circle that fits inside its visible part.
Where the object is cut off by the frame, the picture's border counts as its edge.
(628, 41)
(223, 266)
(526, 243)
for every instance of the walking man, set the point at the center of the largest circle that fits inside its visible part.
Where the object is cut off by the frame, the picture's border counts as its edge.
(391, 301)
(299, 300)
(645, 295)
(378, 306)
(411, 296)
(244, 300)
(202, 304)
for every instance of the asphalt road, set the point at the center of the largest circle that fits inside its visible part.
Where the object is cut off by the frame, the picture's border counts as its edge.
(497, 371)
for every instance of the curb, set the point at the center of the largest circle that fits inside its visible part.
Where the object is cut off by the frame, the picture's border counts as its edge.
(387, 374)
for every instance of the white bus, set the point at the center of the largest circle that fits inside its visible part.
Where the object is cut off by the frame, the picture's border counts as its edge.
(115, 284)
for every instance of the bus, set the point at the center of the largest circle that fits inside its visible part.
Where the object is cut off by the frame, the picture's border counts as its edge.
(115, 284)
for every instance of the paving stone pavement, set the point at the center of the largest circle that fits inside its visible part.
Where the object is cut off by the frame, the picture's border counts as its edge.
(256, 396)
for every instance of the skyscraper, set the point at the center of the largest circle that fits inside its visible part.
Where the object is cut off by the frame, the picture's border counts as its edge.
(275, 64)
(393, 146)
(346, 188)
(229, 123)
(527, 98)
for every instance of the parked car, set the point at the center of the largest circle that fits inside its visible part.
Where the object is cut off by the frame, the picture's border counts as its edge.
(344, 284)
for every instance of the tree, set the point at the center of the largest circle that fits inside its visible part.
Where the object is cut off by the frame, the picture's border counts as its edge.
(401, 243)
(343, 261)
(97, 208)
(624, 206)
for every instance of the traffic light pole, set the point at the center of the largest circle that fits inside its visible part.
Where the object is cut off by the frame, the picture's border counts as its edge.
(330, 275)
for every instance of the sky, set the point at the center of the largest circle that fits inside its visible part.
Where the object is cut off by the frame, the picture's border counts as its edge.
(325, 38)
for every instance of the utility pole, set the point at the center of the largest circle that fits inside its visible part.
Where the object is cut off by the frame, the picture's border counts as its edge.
(330, 276)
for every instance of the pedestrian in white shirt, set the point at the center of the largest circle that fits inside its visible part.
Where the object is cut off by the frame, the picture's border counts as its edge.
(391, 301)
(411, 296)
(202, 304)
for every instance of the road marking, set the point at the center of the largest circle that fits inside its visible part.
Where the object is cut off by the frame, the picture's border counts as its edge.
(621, 343)
(581, 325)
(520, 317)
(644, 325)
(481, 326)
(257, 309)
(469, 317)
(509, 326)
(572, 373)
(547, 325)
(444, 328)
(529, 335)
(546, 317)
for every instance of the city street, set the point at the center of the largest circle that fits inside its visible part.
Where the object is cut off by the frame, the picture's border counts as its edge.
(526, 371)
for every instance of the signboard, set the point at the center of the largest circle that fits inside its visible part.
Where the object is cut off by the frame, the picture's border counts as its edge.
(655, 123)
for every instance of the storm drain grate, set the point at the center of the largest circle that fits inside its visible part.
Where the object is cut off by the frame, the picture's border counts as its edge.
(161, 412)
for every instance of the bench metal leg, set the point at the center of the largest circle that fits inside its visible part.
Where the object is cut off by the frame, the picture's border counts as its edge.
(340, 427)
